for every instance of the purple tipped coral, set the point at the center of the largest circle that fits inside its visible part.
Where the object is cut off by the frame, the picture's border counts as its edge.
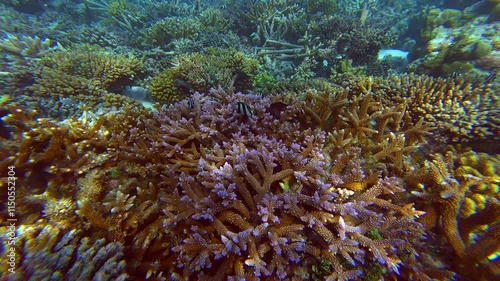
(257, 198)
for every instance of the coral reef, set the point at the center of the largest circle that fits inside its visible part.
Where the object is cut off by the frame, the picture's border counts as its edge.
(457, 108)
(202, 71)
(125, 15)
(263, 202)
(46, 252)
(216, 67)
(304, 188)
(276, 21)
(490, 7)
(82, 74)
(49, 155)
(20, 53)
(459, 191)
(349, 38)
(269, 153)
(26, 46)
(167, 32)
(454, 42)
(200, 191)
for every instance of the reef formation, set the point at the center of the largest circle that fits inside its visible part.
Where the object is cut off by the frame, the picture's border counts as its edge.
(249, 140)
(327, 186)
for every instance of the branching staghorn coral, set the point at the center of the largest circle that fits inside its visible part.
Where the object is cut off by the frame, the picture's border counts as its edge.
(50, 155)
(459, 191)
(256, 198)
(363, 119)
(457, 108)
(45, 252)
(21, 52)
(300, 189)
(26, 46)
(276, 27)
(82, 74)
(274, 20)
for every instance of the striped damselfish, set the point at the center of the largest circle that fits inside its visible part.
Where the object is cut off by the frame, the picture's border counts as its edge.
(243, 109)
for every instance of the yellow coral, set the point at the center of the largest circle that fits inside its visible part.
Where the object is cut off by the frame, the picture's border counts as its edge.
(163, 88)
(459, 189)
(83, 73)
(456, 107)
(216, 67)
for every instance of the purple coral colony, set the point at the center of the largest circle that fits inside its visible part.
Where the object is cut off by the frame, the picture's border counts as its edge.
(250, 140)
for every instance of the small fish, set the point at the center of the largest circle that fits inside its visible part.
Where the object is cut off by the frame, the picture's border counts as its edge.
(136, 92)
(190, 102)
(276, 108)
(243, 109)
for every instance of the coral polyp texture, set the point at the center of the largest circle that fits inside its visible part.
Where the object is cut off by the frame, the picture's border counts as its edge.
(460, 193)
(229, 186)
(48, 254)
(458, 108)
(250, 140)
